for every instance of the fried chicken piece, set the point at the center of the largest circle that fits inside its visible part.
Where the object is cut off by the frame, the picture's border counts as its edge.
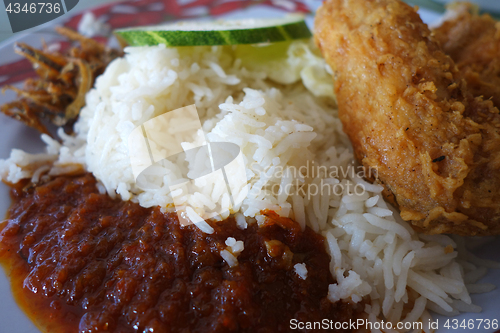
(473, 42)
(409, 114)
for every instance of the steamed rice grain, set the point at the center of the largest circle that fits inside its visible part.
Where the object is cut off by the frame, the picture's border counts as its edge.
(282, 115)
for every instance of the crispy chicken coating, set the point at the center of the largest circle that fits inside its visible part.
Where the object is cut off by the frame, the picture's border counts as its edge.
(473, 42)
(410, 115)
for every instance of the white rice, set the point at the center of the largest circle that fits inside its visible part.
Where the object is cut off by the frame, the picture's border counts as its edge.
(91, 26)
(229, 258)
(235, 247)
(301, 270)
(282, 115)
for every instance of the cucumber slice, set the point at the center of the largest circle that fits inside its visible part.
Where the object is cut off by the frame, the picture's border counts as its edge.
(229, 32)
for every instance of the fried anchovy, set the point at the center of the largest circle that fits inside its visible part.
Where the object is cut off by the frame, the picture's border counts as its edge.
(64, 78)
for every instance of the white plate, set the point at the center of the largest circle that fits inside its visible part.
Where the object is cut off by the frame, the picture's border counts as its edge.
(16, 135)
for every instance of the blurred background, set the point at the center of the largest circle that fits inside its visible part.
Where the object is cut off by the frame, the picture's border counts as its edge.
(6, 32)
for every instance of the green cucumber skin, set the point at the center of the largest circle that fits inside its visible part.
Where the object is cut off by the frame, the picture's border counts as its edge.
(296, 30)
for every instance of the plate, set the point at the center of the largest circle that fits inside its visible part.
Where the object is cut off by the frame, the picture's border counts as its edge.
(131, 13)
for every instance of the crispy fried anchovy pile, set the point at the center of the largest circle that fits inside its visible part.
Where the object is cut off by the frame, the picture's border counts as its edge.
(58, 93)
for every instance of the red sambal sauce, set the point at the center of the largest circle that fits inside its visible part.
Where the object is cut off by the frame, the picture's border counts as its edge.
(80, 261)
